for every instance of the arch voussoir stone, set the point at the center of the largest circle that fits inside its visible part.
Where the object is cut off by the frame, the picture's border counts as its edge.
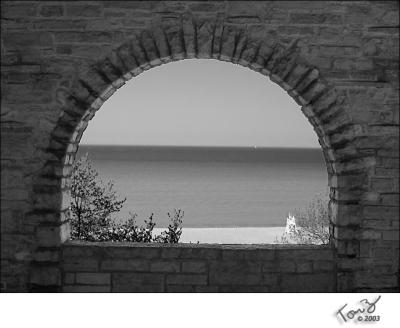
(92, 81)
(229, 41)
(174, 37)
(261, 55)
(203, 44)
(240, 44)
(296, 74)
(85, 92)
(314, 91)
(125, 53)
(107, 70)
(306, 81)
(139, 53)
(148, 48)
(250, 52)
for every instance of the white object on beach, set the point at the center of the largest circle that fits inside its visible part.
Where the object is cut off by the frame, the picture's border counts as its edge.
(290, 224)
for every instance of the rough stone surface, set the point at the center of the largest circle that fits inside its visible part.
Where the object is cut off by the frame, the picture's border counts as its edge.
(61, 60)
(254, 269)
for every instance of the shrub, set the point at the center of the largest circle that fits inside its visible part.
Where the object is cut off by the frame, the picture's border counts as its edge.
(312, 224)
(174, 231)
(93, 202)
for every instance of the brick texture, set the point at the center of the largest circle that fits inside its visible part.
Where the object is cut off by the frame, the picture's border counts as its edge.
(253, 269)
(339, 61)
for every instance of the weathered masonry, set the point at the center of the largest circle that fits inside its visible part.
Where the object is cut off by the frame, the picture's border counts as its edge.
(61, 60)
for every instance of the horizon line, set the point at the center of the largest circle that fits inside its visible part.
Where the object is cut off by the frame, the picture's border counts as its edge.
(200, 146)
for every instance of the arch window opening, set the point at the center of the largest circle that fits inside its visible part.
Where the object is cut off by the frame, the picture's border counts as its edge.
(215, 145)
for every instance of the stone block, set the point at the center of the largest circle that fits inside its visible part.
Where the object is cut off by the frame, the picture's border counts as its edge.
(88, 37)
(200, 253)
(14, 10)
(137, 282)
(313, 253)
(304, 267)
(93, 278)
(121, 252)
(171, 253)
(51, 10)
(164, 266)
(59, 24)
(385, 253)
(323, 266)
(45, 275)
(131, 5)
(271, 266)
(235, 273)
(207, 7)
(47, 256)
(380, 212)
(78, 251)
(163, 47)
(249, 254)
(112, 265)
(379, 281)
(390, 235)
(69, 278)
(349, 264)
(287, 266)
(312, 93)
(187, 279)
(296, 30)
(82, 264)
(377, 224)
(349, 181)
(21, 39)
(308, 18)
(234, 278)
(84, 10)
(270, 279)
(49, 236)
(243, 19)
(308, 283)
(180, 289)
(206, 289)
(297, 73)
(86, 289)
(173, 37)
(244, 289)
(202, 42)
(194, 267)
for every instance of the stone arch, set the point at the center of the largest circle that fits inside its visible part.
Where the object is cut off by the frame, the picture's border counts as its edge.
(344, 56)
(98, 80)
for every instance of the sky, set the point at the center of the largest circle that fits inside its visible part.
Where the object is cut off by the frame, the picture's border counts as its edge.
(201, 102)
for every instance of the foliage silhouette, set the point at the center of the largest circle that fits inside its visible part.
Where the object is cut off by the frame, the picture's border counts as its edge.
(93, 202)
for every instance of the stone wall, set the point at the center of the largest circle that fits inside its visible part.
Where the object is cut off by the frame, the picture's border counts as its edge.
(118, 267)
(338, 59)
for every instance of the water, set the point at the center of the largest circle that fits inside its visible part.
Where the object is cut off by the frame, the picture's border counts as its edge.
(216, 187)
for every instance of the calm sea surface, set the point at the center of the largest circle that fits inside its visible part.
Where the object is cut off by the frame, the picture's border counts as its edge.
(216, 187)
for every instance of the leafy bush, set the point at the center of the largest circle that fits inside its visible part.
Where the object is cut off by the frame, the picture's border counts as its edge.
(92, 204)
(174, 231)
(312, 224)
(92, 201)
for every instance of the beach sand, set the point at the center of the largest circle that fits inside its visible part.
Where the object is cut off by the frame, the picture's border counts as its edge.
(239, 235)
